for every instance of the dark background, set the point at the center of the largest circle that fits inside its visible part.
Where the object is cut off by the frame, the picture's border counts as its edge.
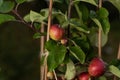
(19, 52)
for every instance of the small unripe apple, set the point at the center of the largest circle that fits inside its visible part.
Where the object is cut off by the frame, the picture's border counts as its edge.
(56, 32)
(84, 76)
(64, 41)
(96, 67)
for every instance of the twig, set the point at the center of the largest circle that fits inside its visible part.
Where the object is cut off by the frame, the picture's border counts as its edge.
(99, 34)
(55, 75)
(42, 41)
(69, 15)
(118, 56)
(48, 28)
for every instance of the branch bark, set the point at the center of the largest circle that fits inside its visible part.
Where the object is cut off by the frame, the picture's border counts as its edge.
(99, 35)
(48, 28)
(42, 41)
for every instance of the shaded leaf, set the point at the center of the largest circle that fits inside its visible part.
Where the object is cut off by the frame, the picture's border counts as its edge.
(6, 7)
(1, 2)
(116, 3)
(88, 1)
(114, 70)
(105, 25)
(102, 78)
(102, 13)
(20, 1)
(5, 18)
(38, 35)
(93, 36)
(75, 23)
(56, 54)
(77, 52)
(71, 71)
(97, 22)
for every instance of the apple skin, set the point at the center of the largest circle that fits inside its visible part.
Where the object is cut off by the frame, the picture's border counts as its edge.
(56, 32)
(64, 41)
(84, 76)
(96, 67)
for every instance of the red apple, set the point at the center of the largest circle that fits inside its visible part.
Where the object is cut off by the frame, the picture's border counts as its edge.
(64, 41)
(96, 67)
(56, 32)
(84, 76)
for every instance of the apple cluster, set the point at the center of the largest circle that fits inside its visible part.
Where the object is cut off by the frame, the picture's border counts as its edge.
(96, 68)
(57, 33)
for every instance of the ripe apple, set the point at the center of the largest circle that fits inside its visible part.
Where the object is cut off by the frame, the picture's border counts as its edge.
(96, 67)
(56, 32)
(64, 41)
(84, 76)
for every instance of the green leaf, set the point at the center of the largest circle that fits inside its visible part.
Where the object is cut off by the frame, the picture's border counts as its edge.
(38, 35)
(79, 13)
(20, 1)
(36, 17)
(5, 18)
(85, 12)
(78, 53)
(6, 7)
(27, 18)
(105, 25)
(97, 22)
(93, 36)
(102, 78)
(87, 1)
(37, 26)
(1, 2)
(102, 13)
(116, 3)
(75, 23)
(114, 70)
(56, 54)
(71, 71)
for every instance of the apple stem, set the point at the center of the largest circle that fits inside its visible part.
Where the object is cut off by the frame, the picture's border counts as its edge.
(99, 34)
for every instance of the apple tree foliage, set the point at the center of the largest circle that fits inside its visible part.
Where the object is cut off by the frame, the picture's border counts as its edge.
(84, 22)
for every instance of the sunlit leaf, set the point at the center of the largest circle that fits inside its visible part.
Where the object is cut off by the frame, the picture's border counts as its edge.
(56, 54)
(6, 7)
(78, 53)
(71, 71)
(27, 18)
(5, 18)
(114, 70)
(36, 17)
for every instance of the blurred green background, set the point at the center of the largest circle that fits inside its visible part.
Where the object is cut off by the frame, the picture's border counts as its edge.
(19, 52)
